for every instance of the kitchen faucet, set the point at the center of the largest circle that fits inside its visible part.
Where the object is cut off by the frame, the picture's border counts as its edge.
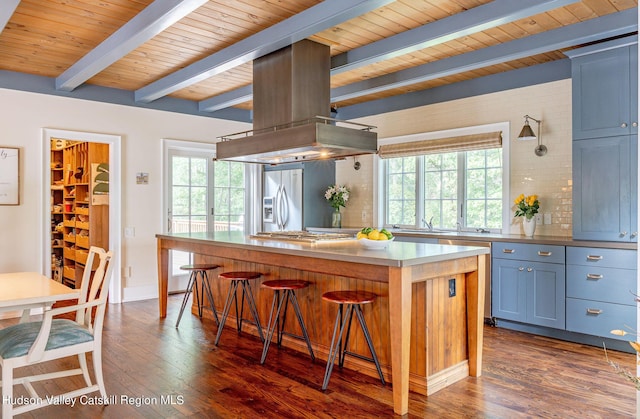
(429, 224)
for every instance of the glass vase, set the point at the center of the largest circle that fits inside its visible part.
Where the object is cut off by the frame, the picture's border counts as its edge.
(336, 219)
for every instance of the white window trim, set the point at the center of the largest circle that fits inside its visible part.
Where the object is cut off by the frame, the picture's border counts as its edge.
(252, 190)
(505, 127)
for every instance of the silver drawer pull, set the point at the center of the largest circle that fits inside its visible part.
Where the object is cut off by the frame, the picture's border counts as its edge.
(594, 257)
(541, 253)
(595, 276)
(594, 311)
(521, 268)
(529, 269)
(508, 251)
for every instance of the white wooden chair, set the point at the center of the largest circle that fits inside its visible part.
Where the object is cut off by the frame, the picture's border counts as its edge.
(32, 343)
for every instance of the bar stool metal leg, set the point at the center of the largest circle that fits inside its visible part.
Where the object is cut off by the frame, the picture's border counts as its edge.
(197, 294)
(227, 307)
(283, 294)
(340, 349)
(246, 287)
(343, 347)
(276, 323)
(200, 291)
(207, 287)
(336, 341)
(296, 309)
(185, 299)
(367, 337)
(273, 324)
(232, 298)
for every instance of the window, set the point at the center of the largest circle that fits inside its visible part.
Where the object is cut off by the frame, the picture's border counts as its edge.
(228, 195)
(204, 194)
(188, 193)
(451, 190)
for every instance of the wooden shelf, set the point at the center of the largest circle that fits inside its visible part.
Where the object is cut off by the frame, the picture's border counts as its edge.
(71, 184)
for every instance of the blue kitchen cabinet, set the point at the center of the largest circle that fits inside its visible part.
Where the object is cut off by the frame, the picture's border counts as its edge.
(604, 81)
(601, 287)
(605, 177)
(508, 290)
(605, 127)
(528, 284)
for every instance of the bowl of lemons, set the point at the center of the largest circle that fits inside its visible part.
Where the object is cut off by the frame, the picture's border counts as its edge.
(372, 238)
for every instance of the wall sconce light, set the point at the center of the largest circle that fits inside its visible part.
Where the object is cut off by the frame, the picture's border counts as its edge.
(527, 134)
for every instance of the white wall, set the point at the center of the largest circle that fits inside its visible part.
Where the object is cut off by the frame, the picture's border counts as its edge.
(23, 115)
(548, 176)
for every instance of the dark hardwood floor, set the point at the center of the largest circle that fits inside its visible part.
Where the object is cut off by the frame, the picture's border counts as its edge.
(147, 360)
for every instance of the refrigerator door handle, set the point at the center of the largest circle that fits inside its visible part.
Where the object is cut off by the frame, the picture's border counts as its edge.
(276, 209)
(284, 205)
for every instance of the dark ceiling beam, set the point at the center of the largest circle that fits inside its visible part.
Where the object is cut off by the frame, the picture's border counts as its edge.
(6, 11)
(315, 19)
(608, 26)
(479, 18)
(151, 21)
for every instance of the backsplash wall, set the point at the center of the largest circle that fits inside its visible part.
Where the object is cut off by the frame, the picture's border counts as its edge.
(549, 176)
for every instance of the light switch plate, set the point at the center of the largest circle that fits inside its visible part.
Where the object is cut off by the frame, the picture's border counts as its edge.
(547, 218)
(538, 217)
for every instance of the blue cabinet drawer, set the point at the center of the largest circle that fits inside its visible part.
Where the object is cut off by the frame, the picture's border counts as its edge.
(599, 319)
(593, 256)
(529, 252)
(601, 284)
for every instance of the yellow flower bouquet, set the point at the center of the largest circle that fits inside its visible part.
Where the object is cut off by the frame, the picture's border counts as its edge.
(527, 206)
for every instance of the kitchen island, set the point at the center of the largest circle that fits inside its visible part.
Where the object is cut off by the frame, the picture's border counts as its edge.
(426, 324)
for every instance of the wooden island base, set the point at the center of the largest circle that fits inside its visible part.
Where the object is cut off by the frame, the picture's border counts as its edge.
(425, 339)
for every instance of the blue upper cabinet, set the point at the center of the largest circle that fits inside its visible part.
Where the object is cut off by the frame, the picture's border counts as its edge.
(604, 80)
(604, 185)
(605, 128)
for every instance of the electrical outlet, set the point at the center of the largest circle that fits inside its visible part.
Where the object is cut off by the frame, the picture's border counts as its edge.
(452, 287)
(538, 217)
(364, 215)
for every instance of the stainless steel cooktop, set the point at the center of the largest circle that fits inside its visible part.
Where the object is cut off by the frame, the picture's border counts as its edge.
(301, 236)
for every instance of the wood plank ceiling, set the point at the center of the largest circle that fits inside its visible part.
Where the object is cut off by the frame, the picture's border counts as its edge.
(48, 37)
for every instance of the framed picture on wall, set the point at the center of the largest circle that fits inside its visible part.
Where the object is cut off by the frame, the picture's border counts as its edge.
(9, 176)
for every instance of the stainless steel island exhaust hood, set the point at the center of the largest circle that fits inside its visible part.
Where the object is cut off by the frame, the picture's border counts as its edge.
(291, 106)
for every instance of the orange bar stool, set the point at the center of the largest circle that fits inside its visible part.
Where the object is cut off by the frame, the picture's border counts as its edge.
(348, 303)
(284, 292)
(239, 278)
(196, 270)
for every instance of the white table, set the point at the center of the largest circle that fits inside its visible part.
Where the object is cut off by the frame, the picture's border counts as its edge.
(27, 290)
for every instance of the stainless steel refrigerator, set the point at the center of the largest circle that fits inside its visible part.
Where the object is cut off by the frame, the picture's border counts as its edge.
(282, 200)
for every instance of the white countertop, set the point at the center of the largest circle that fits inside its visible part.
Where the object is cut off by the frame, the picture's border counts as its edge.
(494, 237)
(397, 254)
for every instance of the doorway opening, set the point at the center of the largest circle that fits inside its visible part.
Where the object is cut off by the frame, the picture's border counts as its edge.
(202, 195)
(81, 203)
